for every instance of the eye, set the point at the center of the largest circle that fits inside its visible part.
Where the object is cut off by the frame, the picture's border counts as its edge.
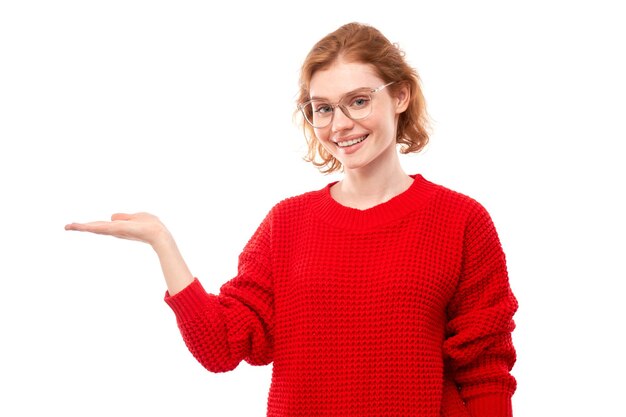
(322, 108)
(359, 102)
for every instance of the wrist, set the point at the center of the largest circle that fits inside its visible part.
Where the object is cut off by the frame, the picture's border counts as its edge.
(163, 242)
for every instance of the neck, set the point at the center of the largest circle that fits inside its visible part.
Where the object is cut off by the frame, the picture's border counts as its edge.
(366, 188)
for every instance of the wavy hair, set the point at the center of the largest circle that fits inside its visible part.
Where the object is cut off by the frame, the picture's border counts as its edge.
(361, 43)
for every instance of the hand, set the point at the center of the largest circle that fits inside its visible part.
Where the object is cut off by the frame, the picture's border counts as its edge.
(147, 228)
(143, 227)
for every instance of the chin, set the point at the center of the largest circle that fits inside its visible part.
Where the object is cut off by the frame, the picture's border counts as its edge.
(352, 165)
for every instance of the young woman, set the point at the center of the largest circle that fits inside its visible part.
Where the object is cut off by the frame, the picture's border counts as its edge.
(382, 294)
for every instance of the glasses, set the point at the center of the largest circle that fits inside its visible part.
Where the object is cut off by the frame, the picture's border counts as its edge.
(356, 105)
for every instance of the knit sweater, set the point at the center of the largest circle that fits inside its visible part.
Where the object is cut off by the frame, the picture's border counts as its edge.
(403, 309)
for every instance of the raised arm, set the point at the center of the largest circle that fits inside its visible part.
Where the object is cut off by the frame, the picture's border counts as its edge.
(147, 228)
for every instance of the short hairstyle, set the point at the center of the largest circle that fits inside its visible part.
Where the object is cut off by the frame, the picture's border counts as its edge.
(361, 43)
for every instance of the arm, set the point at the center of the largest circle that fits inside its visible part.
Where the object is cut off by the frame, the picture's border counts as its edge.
(478, 349)
(219, 330)
(145, 228)
(237, 324)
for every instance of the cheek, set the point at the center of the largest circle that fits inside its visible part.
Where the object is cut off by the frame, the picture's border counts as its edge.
(322, 136)
(388, 124)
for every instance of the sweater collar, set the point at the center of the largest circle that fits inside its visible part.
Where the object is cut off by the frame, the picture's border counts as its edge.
(330, 211)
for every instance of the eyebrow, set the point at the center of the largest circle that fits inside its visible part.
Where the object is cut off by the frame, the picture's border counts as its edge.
(348, 93)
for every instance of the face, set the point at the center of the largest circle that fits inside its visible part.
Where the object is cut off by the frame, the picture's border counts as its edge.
(368, 143)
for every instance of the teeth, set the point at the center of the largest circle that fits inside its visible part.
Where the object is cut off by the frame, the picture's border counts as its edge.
(351, 142)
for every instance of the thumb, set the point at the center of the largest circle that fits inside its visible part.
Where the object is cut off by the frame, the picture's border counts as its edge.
(120, 216)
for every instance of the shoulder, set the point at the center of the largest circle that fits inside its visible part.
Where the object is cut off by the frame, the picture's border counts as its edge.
(464, 214)
(295, 206)
(455, 207)
(297, 201)
(453, 199)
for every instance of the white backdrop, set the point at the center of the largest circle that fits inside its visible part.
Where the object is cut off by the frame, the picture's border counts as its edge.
(184, 109)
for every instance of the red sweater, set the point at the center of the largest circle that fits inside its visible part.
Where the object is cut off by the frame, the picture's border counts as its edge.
(403, 309)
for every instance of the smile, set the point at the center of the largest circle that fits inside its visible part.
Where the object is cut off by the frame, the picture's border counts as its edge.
(351, 142)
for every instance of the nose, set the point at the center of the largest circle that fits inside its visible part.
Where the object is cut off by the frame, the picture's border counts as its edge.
(340, 120)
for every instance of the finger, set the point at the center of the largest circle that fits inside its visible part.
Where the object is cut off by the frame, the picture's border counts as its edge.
(93, 227)
(74, 226)
(69, 226)
(120, 216)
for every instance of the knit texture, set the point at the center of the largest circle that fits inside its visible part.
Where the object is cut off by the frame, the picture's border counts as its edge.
(403, 309)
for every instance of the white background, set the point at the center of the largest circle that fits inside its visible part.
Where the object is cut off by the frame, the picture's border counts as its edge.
(184, 109)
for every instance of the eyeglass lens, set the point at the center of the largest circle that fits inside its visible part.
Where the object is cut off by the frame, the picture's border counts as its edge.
(356, 106)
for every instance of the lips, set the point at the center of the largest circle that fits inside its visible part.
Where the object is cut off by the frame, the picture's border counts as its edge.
(351, 142)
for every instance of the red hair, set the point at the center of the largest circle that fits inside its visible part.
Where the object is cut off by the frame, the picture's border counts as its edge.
(360, 43)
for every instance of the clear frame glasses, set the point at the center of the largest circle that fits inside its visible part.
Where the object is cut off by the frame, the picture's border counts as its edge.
(356, 105)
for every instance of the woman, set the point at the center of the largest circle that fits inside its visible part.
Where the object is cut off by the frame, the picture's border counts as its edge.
(382, 294)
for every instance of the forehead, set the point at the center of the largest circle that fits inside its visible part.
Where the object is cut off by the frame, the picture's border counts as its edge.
(341, 78)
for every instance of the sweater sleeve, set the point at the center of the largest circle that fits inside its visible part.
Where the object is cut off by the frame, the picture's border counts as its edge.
(478, 348)
(222, 330)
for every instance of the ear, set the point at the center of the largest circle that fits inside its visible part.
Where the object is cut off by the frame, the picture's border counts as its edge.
(402, 97)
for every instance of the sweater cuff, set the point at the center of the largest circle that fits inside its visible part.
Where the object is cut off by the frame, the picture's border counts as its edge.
(189, 302)
(491, 405)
